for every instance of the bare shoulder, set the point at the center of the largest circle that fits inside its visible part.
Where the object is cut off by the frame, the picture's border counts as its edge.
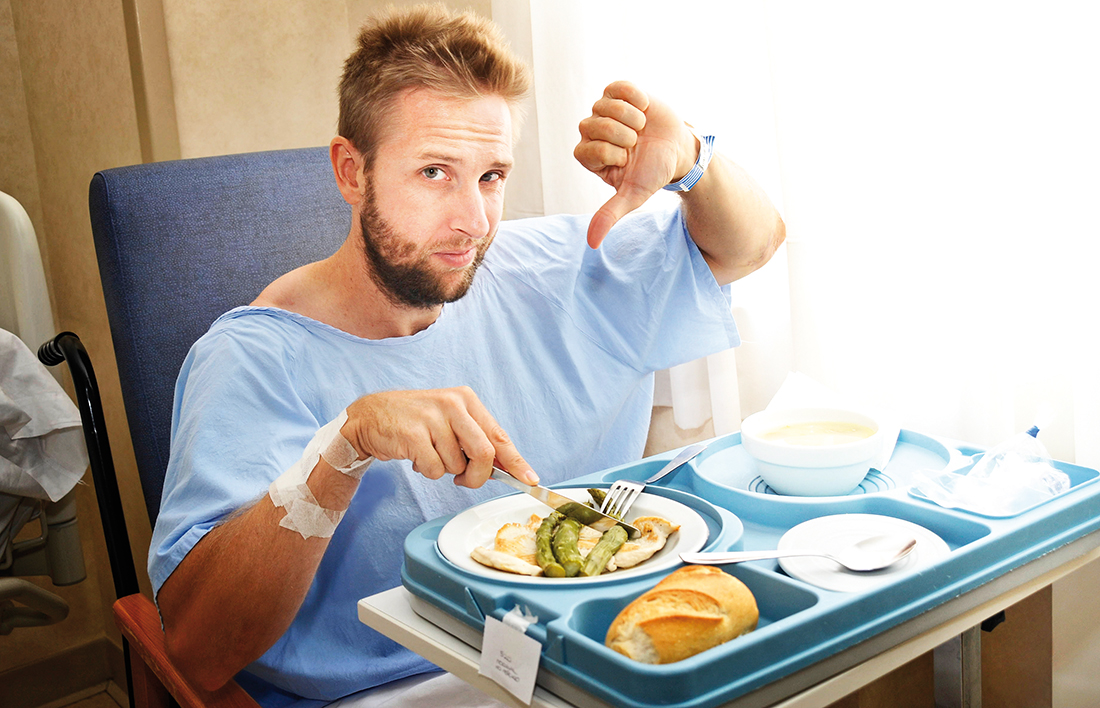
(331, 291)
(295, 291)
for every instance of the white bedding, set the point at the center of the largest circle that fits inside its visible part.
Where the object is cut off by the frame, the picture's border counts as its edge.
(42, 452)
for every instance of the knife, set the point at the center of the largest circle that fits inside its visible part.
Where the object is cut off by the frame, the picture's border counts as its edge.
(564, 505)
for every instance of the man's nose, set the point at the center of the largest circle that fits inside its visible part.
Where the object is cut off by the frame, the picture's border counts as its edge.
(471, 213)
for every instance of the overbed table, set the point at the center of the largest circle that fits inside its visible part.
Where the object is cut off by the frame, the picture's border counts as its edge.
(391, 613)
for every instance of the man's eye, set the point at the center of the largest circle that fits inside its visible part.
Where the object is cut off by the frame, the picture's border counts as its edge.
(433, 173)
(492, 177)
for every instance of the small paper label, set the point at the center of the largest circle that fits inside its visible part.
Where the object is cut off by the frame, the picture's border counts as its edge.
(511, 658)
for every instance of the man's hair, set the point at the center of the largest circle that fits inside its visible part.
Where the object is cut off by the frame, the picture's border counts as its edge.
(429, 47)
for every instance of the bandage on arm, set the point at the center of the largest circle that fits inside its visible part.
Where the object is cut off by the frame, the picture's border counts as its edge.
(290, 491)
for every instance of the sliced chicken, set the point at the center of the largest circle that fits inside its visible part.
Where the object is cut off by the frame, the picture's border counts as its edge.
(503, 561)
(588, 539)
(517, 540)
(513, 549)
(655, 532)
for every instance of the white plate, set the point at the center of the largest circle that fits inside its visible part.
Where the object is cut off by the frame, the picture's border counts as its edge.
(478, 526)
(834, 532)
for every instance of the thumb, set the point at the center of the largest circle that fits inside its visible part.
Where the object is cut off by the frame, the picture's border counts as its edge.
(624, 202)
(511, 462)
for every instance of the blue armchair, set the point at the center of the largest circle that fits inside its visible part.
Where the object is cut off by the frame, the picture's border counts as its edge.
(178, 244)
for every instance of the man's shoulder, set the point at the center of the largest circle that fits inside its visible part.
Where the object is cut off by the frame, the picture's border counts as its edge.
(542, 233)
(246, 344)
(552, 223)
(289, 291)
(534, 242)
(561, 240)
(249, 332)
(570, 230)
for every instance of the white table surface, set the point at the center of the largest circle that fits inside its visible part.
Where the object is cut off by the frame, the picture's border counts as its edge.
(391, 613)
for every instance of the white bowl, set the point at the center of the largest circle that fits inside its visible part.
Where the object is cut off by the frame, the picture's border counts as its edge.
(818, 468)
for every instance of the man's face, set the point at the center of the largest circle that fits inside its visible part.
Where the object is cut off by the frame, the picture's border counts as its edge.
(434, 197)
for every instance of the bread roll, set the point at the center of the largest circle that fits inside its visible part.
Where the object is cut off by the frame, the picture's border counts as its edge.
(692, 610)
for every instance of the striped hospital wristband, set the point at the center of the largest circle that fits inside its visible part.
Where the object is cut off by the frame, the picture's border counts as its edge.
(706, 151)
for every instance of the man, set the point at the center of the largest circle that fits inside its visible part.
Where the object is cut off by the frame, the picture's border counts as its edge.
(391, 350)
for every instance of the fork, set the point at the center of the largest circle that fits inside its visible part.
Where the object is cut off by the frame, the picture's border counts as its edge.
(624, 492)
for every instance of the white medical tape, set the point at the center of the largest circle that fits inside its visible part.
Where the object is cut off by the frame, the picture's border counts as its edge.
(303, 513)
(289, 491)
(340, 453)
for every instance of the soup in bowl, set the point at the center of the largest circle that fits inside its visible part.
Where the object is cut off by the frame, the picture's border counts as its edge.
(812, 451)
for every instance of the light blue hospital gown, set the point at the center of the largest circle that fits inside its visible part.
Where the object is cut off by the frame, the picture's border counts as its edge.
(558, 340)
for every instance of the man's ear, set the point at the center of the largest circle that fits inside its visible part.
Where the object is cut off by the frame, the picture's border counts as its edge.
(347, 167)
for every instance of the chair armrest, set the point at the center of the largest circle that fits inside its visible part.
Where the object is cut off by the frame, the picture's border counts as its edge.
(154, 676)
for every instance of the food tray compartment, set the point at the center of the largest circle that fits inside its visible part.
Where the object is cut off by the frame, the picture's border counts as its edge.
(616, 678)
(801, 624)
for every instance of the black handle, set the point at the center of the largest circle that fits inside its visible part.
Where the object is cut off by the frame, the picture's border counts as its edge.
(66, 346)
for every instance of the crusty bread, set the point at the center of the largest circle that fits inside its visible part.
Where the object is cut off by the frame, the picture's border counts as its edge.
(693, 609)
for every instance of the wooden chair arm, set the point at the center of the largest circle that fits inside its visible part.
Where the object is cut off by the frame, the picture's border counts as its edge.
(154, 676)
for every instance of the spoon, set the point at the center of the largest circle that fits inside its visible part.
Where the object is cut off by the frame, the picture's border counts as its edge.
(873, 553)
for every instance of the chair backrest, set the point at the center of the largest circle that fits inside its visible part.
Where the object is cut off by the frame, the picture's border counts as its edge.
(181, 242)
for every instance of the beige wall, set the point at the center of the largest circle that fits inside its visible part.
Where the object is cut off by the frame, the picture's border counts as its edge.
(68, 110)
(255, 76)
(261, 75)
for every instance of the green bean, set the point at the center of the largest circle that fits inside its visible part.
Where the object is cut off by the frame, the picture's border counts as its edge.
(608, 545)
(565, 546)
(544, 553)
(598, 496)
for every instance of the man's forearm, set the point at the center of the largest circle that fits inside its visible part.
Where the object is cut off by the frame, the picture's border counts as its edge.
(732, 221)
(238, 590)
(240, 587)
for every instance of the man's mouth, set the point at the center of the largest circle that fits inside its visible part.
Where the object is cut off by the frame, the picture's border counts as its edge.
(458, 258)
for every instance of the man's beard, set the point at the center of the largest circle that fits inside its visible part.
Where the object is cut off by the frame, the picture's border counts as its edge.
(404, 282)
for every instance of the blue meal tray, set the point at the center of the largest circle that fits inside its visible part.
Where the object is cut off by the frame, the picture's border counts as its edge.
(800, 624)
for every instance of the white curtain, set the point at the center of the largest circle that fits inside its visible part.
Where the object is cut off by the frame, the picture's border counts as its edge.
(937, 161)
(936, 165)
(576, 48)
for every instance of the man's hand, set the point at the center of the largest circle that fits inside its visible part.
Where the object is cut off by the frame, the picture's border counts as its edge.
(252, 604)
(443, 431)
(636, 144)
